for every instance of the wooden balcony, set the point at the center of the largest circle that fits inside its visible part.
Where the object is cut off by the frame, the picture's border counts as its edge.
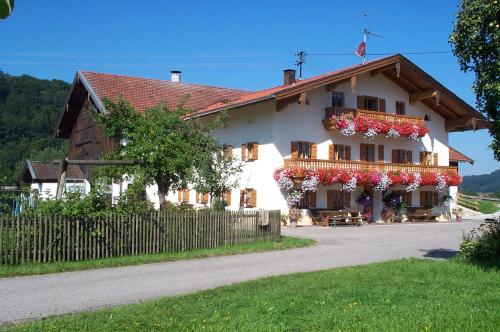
(356, 165)
(372, 115)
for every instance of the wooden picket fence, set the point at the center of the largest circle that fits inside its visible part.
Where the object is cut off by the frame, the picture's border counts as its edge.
(54, 238)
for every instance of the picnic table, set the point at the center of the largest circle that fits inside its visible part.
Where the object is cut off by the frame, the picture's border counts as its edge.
(332, 218)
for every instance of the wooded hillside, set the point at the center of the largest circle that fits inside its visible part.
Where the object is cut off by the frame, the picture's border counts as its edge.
(485, 183)
(29, 111)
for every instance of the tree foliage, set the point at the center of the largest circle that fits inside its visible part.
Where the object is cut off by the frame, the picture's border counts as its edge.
(170, 151)
(29, 111)
(476, 42)
(6, 8)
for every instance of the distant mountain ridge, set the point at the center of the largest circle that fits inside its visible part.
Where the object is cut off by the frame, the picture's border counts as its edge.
(485, 183)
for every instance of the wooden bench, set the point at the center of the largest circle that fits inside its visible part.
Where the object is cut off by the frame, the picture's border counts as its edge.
(421, 214)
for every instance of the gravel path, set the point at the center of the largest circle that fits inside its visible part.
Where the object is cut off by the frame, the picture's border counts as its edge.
(33, 297)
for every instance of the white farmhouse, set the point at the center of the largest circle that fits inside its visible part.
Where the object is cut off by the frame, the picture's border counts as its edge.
(366, 130)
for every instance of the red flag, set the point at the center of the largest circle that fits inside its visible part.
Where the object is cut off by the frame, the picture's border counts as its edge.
(361, 51)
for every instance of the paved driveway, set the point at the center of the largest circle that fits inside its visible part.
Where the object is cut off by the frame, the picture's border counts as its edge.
(38, 296)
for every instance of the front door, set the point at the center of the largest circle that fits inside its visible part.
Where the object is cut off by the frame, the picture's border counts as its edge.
(368, 209)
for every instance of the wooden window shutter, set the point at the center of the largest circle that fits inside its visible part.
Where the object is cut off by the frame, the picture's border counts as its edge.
(422, 158)
(347, 199)
(394, 156)
(381, 153)
(205, 198)
(243, 152)
(294, 150)
(228, 150)
(381, 105)
(409, 157)
(314, 151)
(227, 197)
(329, 199)
(186, 197)
(347, 151)
(362, 151)
(242, 198)
(435, 199)
(331, 152)
(312, 199)
(408, 198)
(255, 148)
(179, 196)
(435, 159)
(360, 102)
(422, 198)
(253, 200)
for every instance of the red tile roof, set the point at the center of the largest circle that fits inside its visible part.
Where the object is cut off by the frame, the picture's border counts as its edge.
(144, 93)
(37, 171)
(457, 156)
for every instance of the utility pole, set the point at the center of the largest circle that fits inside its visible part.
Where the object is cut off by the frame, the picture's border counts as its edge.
(301, 60)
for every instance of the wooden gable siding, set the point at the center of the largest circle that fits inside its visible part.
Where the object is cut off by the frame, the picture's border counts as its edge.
(87, 140)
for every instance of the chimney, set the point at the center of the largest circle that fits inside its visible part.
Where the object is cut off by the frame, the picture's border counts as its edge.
(288, 76)
(175, 76)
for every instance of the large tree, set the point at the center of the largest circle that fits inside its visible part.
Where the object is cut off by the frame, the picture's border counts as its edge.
(476, 43)
(168, 149)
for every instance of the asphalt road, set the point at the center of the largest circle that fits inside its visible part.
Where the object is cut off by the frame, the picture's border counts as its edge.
(34, 297)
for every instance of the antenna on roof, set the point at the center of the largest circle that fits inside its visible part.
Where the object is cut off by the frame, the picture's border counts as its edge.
(300, 61)
(361, 51)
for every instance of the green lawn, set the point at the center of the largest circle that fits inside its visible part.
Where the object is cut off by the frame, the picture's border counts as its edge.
(403, 295)
(34, 268)
(487, 207)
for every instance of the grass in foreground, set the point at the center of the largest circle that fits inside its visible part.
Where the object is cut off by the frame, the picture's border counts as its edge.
(286, 242)
(403, 295)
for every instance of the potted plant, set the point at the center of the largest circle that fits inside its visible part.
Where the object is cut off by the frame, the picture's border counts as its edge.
(388, 215)
(458, 212)
(294, 216)
(284, 218)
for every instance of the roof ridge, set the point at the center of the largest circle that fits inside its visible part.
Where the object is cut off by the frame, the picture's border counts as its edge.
(162, 80)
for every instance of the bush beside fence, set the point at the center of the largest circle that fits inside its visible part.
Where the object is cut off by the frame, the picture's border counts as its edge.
(54, 238)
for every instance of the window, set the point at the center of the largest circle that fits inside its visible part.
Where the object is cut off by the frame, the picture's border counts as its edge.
(400, 107)
(303, 150)
(425, 158)
(337, 99)
(76, 185)
(367, 152)
(371, 103)
(405, 195)
(250, 151)
(401, 156)
(338, 199)
(201, 198)
(340, 152)
(248, 198)
(429, 199)
(308, 200)
(183, 196)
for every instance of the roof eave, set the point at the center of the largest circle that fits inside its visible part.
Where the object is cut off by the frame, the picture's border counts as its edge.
(228, 107)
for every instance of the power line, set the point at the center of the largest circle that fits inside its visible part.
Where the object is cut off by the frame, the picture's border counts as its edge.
(380, 54)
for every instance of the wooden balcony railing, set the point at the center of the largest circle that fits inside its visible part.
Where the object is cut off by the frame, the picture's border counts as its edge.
(390, 117)
(316, 164)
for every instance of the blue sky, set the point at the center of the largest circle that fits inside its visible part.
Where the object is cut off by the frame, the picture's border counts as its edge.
(234, 44)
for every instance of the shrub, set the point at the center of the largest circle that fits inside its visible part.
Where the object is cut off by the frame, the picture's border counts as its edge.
(482, 243)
